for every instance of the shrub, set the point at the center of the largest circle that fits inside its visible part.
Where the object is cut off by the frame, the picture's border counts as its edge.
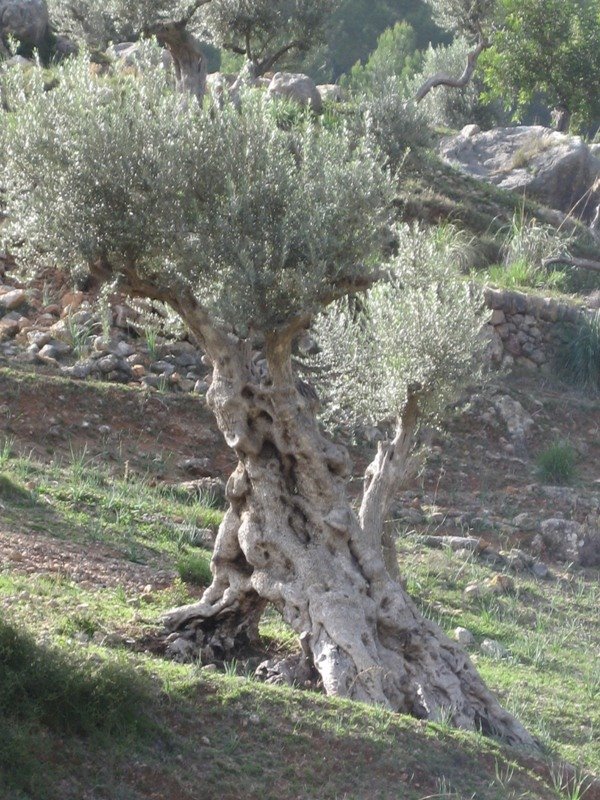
(579, 357)
(396, 124)
(556, 464)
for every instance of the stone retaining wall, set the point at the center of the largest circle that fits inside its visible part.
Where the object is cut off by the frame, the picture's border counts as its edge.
(528, 329)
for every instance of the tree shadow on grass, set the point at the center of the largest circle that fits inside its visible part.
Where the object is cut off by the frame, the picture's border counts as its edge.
(49, 698)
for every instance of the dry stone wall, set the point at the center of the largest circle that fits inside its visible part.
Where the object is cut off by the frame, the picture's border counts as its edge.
(66, 332)
(527, 330)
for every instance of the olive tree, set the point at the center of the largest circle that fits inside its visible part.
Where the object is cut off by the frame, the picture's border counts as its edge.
(474, 20)
(264, 31)
(174, 23)
(247, 232)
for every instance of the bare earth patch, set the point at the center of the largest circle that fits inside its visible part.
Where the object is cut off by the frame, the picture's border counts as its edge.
(92, 566)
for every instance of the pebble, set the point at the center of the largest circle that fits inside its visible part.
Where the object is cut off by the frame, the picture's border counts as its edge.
(464, 637)
(493, 649)
(12, 299)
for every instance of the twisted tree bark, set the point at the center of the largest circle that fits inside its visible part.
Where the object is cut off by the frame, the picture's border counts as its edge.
(394, 465)
(291, 538)
(189, 61)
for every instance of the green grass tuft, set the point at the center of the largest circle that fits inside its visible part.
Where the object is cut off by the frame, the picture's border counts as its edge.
(523, 275)
(556, 464)
(579, 356)
(194, 568)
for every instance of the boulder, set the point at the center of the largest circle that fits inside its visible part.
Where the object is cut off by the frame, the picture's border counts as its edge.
(26, 20)
(331, 93)
(19, 61)
(296, 87)
(571, 541)
(464, 637)
(557, 169)
(518, 422)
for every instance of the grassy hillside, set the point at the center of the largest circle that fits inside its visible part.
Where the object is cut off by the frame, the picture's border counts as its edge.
(433, 191)
(96, 546)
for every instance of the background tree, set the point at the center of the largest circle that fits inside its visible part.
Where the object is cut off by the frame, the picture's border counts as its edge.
(262, 31)
(474, 20)
(265, 31)
(246, 232)
(550, 47)
(355, 27)
(396, 56)
(172, 22)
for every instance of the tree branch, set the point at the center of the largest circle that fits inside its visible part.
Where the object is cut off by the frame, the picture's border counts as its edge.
(442, 79)
(193, 8)
(234, 48)
(345, 286)
(393, 466)
(266, 64)
(182, 300)
(581, 263)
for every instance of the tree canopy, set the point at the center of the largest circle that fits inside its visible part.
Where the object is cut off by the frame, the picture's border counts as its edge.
(263, 31)
(260, 224)
(550, 47)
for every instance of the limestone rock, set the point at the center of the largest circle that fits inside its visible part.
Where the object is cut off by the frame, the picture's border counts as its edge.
(296, 87)
(540, 570)
(464, 637)
(493, 649)
(206, 489)
(331, 92)
(12, 299)
(563, 539)
(525, 521)
(556, 168)
(200, 467)
(514, 416)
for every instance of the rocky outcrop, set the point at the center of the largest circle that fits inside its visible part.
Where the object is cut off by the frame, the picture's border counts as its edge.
(557, 169)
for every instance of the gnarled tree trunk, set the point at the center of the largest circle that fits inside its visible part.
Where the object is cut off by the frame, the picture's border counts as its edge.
(189, 61)
(291, 538)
